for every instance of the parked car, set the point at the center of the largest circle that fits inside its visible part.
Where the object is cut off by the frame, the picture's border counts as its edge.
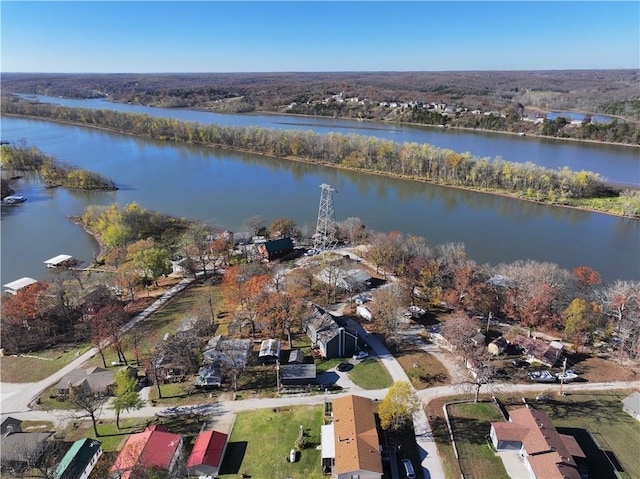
(409, 473)
(361, 355)
(342, 367)
(520, 363)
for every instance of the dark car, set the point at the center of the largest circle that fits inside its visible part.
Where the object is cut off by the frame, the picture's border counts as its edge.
(520, 363)
(342, 367)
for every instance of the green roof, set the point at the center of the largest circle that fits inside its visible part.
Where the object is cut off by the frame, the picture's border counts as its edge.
(76, 459)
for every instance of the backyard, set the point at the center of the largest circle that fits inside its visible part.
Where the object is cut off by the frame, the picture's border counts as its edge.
(261, 441)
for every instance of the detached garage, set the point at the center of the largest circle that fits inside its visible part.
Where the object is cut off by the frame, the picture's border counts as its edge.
(208, 453)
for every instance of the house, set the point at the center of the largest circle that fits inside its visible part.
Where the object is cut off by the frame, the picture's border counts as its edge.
(497, 346)
(350, 446)
(269, 351)
(207, 454)
(275, 249)
(297, 374)
(332, 339)
(539, 351)
(92, 302)
(18, 284)
(154, 447)
(9, 425)
(209, 376)
(631, 405)
(79, 460)
(220, 349)
(95, 380)
(20, 450)
(546, 453)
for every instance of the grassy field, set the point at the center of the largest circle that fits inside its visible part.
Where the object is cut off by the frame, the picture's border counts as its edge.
(601, 413)
(262, 439)
(423, 369)
(471, 423)
(371, 374)
(37, 366)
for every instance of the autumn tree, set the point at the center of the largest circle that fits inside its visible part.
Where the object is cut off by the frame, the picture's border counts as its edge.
(398, 407)
(243, 288)
(586, 278)
(283, 228)
(127, 397)
(580, 321)
(388, 309)
(195, 245)
(620, 301)
(151, 259)
(458, 330)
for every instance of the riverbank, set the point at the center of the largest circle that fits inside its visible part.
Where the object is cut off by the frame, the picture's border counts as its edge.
(615, 206)
(438, 127)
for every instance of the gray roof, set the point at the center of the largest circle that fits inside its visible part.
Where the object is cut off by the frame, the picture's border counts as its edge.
(322, 327)
(298, 371)
(96, 379)
(222, 349)
(17, 446)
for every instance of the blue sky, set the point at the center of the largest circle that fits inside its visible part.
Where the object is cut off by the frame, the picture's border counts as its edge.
(132, 37)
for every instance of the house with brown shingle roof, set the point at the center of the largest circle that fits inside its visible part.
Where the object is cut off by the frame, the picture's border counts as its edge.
(350, 444)
(547, 454)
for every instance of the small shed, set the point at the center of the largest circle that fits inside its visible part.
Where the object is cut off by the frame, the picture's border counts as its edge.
(497, 346)
(298, 374)
(18, 284)
(269, 350)
(296, 356)
(478, 340)
(60, 261)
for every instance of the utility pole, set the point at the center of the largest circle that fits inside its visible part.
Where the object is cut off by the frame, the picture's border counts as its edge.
(564, 370)
(278, 375)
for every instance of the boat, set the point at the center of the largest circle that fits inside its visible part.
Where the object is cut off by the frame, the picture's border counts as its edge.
(542, 377)
(568, 376)
(14, 199)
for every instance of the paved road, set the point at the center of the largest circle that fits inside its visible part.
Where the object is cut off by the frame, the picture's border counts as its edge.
(15, 398)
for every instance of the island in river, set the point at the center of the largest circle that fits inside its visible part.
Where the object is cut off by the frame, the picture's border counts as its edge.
(414, 161)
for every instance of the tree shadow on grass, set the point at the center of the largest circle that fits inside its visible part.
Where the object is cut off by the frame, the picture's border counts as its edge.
(233, 457)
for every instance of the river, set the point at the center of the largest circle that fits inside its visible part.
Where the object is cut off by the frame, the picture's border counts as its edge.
(227, 187)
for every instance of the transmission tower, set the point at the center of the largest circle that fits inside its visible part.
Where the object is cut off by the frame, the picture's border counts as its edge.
(325, 236)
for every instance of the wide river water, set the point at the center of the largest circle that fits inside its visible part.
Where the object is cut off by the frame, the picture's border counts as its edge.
(227, 187)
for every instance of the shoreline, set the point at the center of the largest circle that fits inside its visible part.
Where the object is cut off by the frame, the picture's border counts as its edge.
(504, 194)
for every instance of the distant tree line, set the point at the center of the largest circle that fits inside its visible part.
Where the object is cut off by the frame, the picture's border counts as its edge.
(50, 170)
(413, 160)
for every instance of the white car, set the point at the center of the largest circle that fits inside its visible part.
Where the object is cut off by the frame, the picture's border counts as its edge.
(361, 355)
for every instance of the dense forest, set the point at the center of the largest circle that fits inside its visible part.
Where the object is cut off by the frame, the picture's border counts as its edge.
(502, 98)
(410, 160)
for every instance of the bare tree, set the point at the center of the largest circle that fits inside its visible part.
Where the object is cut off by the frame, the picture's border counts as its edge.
(88, 403)
(388, 308)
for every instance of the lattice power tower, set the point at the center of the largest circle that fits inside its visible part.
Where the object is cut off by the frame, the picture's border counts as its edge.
(325, 236)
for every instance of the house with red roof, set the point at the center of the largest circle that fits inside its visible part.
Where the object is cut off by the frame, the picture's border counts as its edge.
(207, 454)
(155, 447)
(547, 454)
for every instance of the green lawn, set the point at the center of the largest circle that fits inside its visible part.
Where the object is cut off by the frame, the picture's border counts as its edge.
(262, 439)
(471, 423)
(39, 365)
(601, 413)
(424, 369)
(371, 374)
